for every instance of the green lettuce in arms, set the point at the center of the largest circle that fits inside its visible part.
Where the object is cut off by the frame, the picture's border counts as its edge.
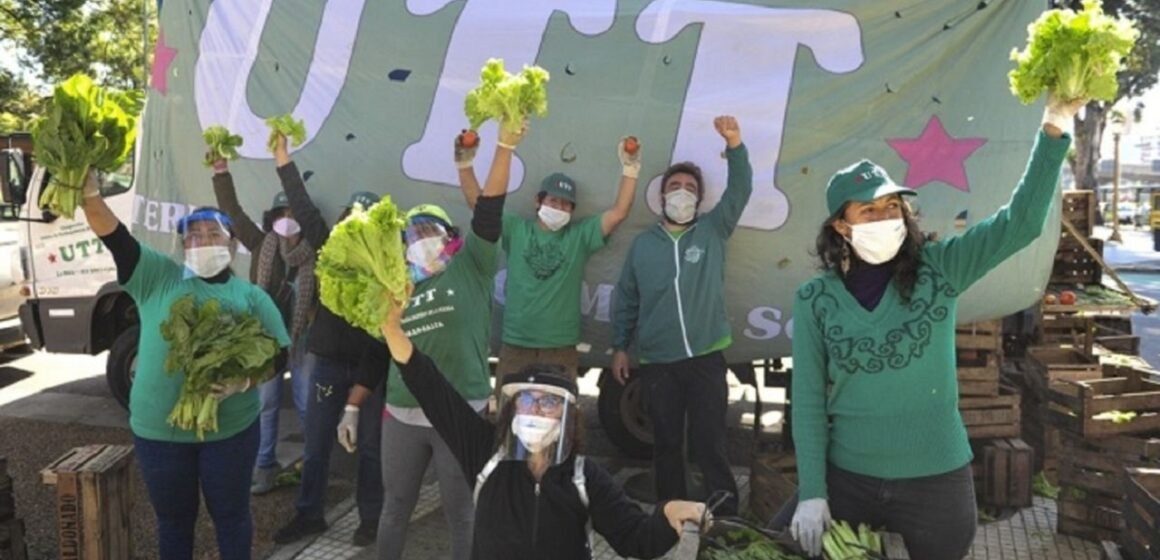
(210, 345)
(506, 98)
(361, 267)
(1074, 55)
(84, 126)
(294, 131)
(222, 144)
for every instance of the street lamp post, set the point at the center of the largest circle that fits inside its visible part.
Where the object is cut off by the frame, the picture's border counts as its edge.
(1115, 237)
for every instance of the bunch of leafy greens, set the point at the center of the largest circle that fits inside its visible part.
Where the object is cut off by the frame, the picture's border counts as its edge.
(361, 268)
(84, 127)
(506, 98)
(222, 144)
(742, 544)
(210, 345)
(1074, 55)
(294, 130)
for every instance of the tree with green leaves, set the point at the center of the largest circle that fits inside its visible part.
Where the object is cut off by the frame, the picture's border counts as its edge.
(1143, 68)
(54, 39)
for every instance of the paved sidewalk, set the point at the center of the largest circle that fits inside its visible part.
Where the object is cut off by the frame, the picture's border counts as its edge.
(1134, 253)
(1027, 535)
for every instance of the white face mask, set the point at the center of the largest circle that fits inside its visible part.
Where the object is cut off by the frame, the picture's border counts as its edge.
(207, 262)
(425, 252)
(286, 227)
(681, 206)
(535, 432)
(554, 218)
(878, 242)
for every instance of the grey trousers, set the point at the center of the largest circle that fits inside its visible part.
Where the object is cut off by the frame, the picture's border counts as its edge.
(406, 452)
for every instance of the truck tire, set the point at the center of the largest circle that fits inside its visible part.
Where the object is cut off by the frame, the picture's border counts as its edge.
(624, 415)
(122, 364)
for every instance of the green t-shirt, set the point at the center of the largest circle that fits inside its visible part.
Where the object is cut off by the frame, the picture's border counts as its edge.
(156, 283)
(449, 319)
(545, 270)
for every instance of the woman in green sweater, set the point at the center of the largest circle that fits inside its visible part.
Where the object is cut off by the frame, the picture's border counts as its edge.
(876, 423)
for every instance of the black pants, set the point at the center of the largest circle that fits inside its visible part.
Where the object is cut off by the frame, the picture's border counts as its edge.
(934, 514)
(697, 388)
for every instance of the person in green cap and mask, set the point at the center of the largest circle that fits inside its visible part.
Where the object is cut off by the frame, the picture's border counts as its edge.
(449, 319)
(344, 366)
(282, 264)
(876, 423)
(670, 300)
(546, 256)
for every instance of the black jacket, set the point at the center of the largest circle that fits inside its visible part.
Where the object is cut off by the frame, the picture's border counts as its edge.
(330, 336)
(516, 518)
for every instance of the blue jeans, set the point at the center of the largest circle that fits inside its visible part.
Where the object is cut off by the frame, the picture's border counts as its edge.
(331, 381)
(175, 473)
(270, 393)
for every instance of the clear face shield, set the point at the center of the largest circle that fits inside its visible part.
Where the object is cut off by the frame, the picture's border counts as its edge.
(429, 247)
(542, 412)
(207, 241)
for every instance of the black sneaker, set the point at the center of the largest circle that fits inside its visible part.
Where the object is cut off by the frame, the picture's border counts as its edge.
(366, 533)
(298, 528)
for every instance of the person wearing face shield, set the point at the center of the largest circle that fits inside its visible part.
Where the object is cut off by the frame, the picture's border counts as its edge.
(670, 299)
(546, 259)
(180, 470)
(535, 496)
(344, 368)
(283, 265)
(875, 393)
(450, 320)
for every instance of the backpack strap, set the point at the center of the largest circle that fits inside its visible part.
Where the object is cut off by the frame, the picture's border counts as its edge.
(481, 478)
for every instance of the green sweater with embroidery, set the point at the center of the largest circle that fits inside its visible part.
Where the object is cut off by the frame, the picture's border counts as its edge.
(875, 392)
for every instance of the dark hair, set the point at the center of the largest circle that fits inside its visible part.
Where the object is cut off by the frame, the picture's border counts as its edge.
(831, 247)
(685, 167)
(576, 424)
(540, 196)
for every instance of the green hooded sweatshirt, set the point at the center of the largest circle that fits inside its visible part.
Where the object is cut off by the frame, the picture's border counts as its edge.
(670, 296)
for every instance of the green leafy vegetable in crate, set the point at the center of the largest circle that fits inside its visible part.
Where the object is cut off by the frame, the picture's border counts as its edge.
(212, 346)
(842, 542)
(1041, 486)
(1116, 416)
(743, 544)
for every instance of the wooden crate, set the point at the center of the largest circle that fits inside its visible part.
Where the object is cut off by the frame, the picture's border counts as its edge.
(1092, 475)
(1052, 364)
(93, 501)
(1075, 265)
(992, 417)
(772, 478)
(1128, 344)
(979, 377)
(1076, 403)
(1079, 207)
(982, 335)
(1109, 550)
(1003, 472)
(1141, 536)
(1067, 329)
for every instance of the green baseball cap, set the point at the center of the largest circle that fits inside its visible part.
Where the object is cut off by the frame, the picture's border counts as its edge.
(559, 185)
(430, 210)
(280, 202)
(862, 182)
(364, 199)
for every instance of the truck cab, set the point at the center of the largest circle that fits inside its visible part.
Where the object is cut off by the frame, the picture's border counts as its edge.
(72, 302)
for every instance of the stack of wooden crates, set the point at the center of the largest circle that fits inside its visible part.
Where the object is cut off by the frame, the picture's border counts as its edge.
(1073, 263)
(991, 413)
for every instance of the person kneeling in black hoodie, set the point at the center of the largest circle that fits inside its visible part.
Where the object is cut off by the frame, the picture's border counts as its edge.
(536, 497)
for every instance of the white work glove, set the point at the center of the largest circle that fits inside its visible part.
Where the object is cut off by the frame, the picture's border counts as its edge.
(348, 428)
(465, 155)
(223, 391)
(630, 163)
(91, 188)
(810, 521)
(1062, 113)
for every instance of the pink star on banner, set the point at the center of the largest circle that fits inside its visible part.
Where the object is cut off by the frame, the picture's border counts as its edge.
(163, 56)
(935, 156)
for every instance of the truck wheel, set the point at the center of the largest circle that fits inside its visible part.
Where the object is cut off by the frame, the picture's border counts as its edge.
(122, 364)
(624, 416)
